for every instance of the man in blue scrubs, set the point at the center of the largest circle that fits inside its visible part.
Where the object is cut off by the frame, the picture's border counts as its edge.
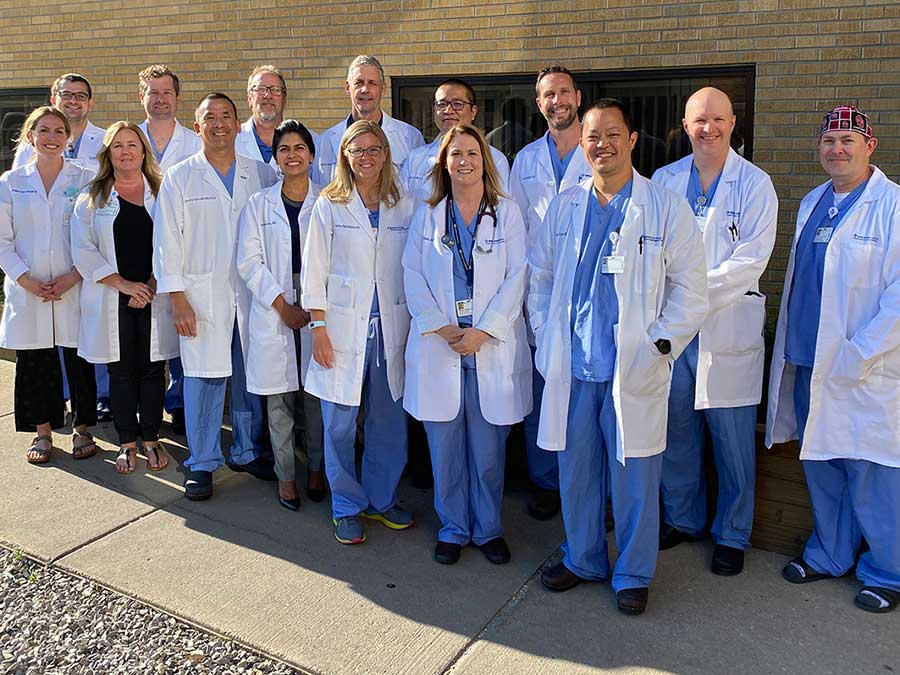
(266, 96)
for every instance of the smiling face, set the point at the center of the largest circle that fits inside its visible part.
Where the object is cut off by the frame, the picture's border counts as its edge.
(369, 162)
(845, 157)
(445, 98)
(558, 100)
(266, 97)
(365, 87)
(708, 122)
(465, 165)
(159, 98)
(49, 136)
(73, 100)
(607, 143)
(216, 124)
(293, 156)
(126, 152)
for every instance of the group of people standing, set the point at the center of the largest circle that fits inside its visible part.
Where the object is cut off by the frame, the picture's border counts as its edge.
(351, 279)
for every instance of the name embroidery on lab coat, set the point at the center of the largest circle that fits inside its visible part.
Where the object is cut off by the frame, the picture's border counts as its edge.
(204, 198)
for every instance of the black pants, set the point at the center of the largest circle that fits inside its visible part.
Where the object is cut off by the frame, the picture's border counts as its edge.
(136, 384)
(39, 389)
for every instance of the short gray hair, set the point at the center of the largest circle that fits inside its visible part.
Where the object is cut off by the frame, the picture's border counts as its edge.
(366, 60)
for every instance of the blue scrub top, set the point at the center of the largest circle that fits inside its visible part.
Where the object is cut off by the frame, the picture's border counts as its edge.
(559, 165)
(228, 179)
(264, 150)
(374, 216)
(805, 300)
(461, 289)
(71, 151)
(595, 307)
(157, 153)
(694, 192)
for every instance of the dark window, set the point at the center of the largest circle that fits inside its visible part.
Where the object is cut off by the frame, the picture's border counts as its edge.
(15, 104)
(508, 113)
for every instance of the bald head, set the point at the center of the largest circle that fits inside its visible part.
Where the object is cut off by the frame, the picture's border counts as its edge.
(708, 121)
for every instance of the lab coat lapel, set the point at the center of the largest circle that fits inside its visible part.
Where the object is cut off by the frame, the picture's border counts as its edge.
(211, 177)
(33, 178)
(722, 198)
(361, 214)
(243, 186)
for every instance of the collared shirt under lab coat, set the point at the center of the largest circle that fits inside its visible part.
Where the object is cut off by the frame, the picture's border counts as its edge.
(342, 260)
(183, 144)
(35, 238)
(661, 294)
(414, 174)
(433, 373)
(402, 137)
(195, 242)
(91, 144)
(264, 263)
(94, 253)
(854, 398)
(245, 144)
(739, 237)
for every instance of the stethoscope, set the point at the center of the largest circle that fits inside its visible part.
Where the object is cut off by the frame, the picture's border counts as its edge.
(484, 209)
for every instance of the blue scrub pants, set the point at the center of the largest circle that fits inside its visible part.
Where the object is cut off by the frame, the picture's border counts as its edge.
(468, 456)
(587, 469)
(733, 432)
(385, 440)
(543, 465)
(204, 403)
(101, 374)
(65, 379)
(175, 392)
(851, 499)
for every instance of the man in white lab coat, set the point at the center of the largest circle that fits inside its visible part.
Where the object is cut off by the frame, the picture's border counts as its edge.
(195, 237)
(717, 381)
(159, 90)
(365, 86)
(617, 291)
(541, 170)
(835, 379)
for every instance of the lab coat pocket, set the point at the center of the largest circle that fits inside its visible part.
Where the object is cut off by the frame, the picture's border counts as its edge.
(199, 293)
(396, 327)
(650, 371)
(860, 262)
(339, 291)
(736, 328)
(342, 329)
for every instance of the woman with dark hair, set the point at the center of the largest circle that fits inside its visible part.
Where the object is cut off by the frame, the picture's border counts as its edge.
(123, 322)
(464, 271)
(272, 230)
(41, 311)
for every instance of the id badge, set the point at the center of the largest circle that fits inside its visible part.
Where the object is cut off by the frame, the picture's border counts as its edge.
(464, 308)
(701, 223)
(612, 264)
(823, 235)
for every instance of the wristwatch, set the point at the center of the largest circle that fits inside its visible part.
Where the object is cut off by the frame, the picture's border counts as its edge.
(316, 324)
(664, 346)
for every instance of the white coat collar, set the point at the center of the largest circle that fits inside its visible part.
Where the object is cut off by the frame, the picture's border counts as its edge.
(273, 194)
(242, 166)
(873, 192)
(33, 178)
(359, 211)
(639, 191)
(149, 199)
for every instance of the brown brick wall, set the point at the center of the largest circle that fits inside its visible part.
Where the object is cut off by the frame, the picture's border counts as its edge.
(810, 55)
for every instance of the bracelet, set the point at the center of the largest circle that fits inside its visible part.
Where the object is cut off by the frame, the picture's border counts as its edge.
(316, 324)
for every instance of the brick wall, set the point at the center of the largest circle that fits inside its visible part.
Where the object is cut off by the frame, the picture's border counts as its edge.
(810, 55)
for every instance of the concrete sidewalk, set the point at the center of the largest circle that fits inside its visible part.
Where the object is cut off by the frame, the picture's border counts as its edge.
(278, 582)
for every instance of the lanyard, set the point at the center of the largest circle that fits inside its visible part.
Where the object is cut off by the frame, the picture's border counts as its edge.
(468, 265)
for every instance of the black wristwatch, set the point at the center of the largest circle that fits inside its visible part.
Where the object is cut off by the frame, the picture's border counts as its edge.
(663, 345)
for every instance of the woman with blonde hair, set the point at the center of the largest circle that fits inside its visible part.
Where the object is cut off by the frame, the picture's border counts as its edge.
(123, 322)
(468, 365)
(353, 289)
(41, 309)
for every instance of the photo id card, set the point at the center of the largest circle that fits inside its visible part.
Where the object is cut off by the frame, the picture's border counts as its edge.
(464, 308)
(823, 235)
(612, 264)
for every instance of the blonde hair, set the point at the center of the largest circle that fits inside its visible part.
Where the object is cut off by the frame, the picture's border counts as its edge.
(101, 187)
(440, 177)
(341, 188)
(31, 122)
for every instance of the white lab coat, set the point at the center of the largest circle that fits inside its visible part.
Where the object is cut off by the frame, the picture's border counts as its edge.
(854, 398)
(94, 253)
(91, 145)
(245, 144)
(264, 263)
(195, 242)
(342, 260)
(731, 346)
(532, 183)
(661, 294)
(184, 143)
(402, 137)
(433, 374)
(34, 238)
(414, 174)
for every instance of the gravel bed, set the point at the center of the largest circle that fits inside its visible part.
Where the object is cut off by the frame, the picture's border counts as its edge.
(53, 623)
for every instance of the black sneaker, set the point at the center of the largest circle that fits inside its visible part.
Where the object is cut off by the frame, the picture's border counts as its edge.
(178, 427)
(496, 551)
(632, 600)
(727, 561)
(447, 553)
(543, 504)
(670, 537)
(198, 485)
(258, 468)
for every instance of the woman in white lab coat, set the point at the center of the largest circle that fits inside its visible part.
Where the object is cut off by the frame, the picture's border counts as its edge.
(41, 311)
(353, 289)
(468, 365)
(123, 322)
(272, 230)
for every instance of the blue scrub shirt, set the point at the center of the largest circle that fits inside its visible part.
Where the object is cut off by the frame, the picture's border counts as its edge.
(374, 217)
(559, 164)
(805, 300)
(228, 179)
(71, 151)
(156, 153)
(461, 290)
(264, 150)
(595, 307)
(694, 191)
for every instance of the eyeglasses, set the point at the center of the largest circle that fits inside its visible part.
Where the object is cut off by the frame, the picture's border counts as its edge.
(371, 151)
(456, 104)
(274, 92)
(79, 96)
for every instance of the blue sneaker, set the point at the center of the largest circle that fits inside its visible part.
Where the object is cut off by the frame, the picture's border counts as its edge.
(349, 530)
(394, 518)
